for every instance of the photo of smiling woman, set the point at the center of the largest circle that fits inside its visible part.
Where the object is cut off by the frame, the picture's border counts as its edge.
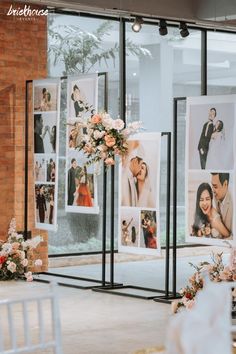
(207, 221)
(209, 207)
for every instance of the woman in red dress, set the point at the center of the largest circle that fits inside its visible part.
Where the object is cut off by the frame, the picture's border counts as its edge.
(84, 196)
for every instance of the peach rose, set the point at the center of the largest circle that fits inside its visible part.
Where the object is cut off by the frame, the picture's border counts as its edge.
(96, 119)
(110, 140)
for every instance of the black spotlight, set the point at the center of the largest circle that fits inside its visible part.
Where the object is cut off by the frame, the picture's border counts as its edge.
(183, 29)
(163, 28)
(137, 25)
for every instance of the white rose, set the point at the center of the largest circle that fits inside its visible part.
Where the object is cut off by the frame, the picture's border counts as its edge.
(7, 247)
(107, 121)
(98, 135)
(135, 126)
(11, 267)
(38, 263)
(118, 124)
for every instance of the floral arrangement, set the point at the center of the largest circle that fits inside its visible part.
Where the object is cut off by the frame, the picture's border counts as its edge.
(13, 255)
(216, 271)
(105, 138)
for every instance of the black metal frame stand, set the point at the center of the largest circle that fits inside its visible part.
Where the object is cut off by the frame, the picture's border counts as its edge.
(27, 233)
(166, 294)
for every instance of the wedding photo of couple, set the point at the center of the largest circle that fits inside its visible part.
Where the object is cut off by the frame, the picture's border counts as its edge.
(139, 175)
(138, 229)
(82, 97)
(210, 205)
(129, 225)
(80, 186)
(45, 97)
(210, 136)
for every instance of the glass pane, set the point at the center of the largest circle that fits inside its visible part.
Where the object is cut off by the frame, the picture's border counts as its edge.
(221, 58)
(79, 46)
(158, 69)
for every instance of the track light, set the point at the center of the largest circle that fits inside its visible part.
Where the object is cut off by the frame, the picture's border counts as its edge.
(137, 25)
(163, 28)
(183, 29)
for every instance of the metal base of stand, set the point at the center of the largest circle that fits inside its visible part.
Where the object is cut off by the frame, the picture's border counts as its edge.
(167, 300)
(114, 290)
(82, 287)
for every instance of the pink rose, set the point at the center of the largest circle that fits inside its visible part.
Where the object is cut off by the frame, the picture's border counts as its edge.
(109, 140)
(24, 262)
(96, 119)
(29, 276)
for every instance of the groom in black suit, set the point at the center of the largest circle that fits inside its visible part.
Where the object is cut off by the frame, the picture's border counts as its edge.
(207, 130)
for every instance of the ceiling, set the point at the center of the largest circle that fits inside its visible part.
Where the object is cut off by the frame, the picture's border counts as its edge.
(222, 12)
(214, 13)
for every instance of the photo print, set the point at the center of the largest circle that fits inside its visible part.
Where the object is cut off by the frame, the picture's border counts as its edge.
(210, 207)
(39, 168)
(46, 118)
(148, 229)
(51, 168)
(44, 206)
(45, 95)
(45, 133)
(139, 181)
(82, 96)
(140, 172)
(210, 132)
(81, 185)
(129, 224)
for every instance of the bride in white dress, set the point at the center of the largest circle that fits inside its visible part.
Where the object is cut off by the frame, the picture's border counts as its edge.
(216, 148)
(144, 191)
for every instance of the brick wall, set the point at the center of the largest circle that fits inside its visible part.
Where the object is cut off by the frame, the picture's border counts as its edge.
(23, 56)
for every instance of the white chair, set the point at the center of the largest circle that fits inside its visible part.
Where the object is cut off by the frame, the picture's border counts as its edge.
(21, 319)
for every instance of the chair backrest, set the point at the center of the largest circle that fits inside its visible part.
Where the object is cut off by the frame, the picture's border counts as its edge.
(24, 326)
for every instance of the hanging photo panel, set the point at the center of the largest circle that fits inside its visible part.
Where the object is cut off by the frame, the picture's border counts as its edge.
(139, 179)
(210, 169)
(46, 116)
(81, 185)
(81, 181)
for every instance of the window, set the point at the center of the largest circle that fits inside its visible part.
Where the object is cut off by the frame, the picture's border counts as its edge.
(221, 68)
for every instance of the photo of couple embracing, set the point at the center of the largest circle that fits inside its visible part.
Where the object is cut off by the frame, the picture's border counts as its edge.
(139, 175)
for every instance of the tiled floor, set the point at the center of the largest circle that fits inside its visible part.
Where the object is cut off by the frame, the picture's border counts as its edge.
(98, 323)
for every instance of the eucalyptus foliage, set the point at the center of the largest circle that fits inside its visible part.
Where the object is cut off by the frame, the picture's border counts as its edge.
(80, 50)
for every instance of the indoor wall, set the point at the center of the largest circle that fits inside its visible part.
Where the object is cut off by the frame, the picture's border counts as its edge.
(23, 56)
